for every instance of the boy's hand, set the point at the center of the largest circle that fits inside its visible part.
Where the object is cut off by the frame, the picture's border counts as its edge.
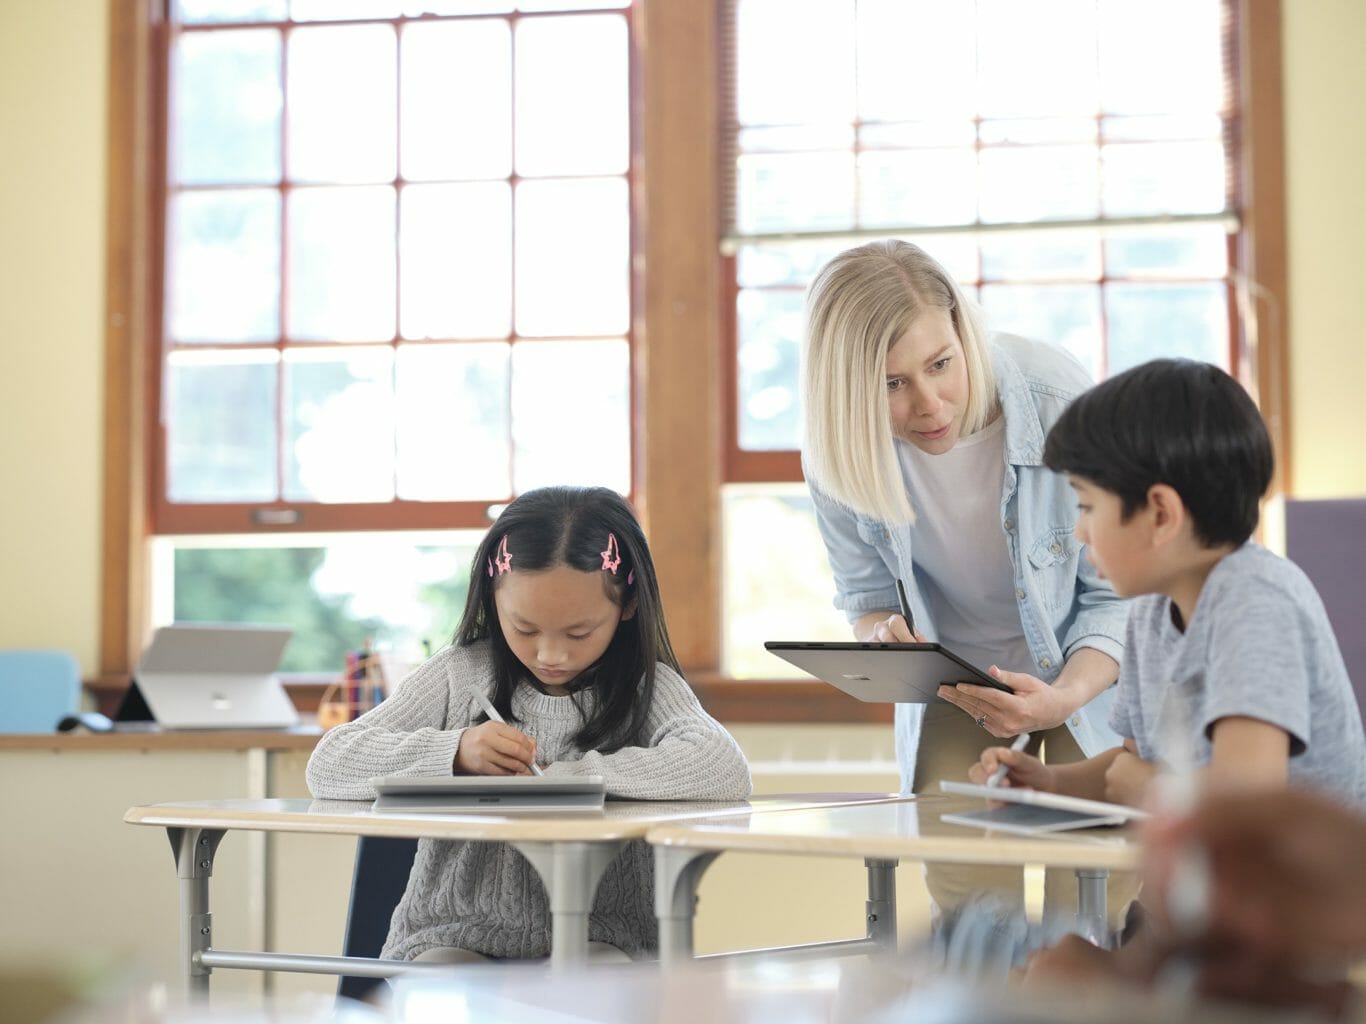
(494, 748)
(1022, 769)
(1034, 706)
(1127, 778)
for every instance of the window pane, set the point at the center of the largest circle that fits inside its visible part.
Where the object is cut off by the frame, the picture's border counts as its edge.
(795, 192)
(770, 326)
(1064, 315)
(397, 591)
(340, 425)
(453, 419)
(916, 59)
(1149, 321)
(457, 100)
(1187, 35)
(417, 8)
(789, 263)
(926, 186)
(342, 104)
(572, 94)
(1179, 177)
(796, 61)
(777, 580)
(226, 102)
(341, 264)
(1037, 58)
(573, 257)
(569, 5)
(223, 260)
(1033, 257)
(1039, 183)
(343, 10)
(218, 11)
(220, 415)
(456, 261)
(571, 414)
(1200, 251)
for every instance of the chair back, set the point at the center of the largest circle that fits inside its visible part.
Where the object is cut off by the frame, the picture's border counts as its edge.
(377, 884)
(37, 689)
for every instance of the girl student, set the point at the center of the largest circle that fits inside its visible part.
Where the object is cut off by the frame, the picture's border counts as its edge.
(564, 632)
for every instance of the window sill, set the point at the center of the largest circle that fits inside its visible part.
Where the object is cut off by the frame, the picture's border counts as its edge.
(731, 701)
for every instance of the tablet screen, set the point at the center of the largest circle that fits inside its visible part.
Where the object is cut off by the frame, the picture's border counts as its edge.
(884, 673)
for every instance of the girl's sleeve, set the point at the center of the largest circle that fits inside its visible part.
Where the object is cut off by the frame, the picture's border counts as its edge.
(408, 733)
(689, 756)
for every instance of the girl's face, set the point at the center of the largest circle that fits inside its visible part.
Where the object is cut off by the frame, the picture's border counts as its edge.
(927, 383)
(557, 621)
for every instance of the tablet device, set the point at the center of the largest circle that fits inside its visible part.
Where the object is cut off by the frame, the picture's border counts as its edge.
(489, 794)
(884, 673)
(1066, 812)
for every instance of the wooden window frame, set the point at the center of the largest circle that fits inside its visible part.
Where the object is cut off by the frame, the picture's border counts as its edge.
(680, 412)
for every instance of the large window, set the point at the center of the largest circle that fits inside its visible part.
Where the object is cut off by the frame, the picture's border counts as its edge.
(1071, 162)
(397, 260)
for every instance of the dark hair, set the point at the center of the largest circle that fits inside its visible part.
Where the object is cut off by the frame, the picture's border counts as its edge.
(554, 526)
(1177, 422)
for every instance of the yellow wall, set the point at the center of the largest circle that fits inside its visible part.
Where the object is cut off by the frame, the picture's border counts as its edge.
(53, 70)
(1325, 141)
(52, 94)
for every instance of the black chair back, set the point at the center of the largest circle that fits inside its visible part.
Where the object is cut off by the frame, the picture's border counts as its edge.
(377, 884)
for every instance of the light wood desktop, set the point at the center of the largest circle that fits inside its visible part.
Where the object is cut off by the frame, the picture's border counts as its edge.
(881, 834)
(569, 852)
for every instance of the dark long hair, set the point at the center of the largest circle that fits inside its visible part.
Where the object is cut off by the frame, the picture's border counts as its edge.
(554, 526)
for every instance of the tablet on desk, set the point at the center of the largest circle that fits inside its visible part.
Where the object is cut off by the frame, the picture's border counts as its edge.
(492, 794)
(884, 673)
(1029, 811)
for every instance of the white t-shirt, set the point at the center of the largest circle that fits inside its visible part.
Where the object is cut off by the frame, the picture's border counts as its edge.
(959, 548)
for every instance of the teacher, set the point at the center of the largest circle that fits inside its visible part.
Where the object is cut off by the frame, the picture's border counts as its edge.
(924, 457)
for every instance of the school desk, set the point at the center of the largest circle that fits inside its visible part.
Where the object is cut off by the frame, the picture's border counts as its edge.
(570, 852)
(881, 834)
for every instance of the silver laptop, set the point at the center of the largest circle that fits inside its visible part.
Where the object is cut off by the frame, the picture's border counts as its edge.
(197, 676)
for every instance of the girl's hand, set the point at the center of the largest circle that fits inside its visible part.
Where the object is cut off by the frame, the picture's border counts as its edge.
(1022, 769)
(494, 748)
(1033, 707)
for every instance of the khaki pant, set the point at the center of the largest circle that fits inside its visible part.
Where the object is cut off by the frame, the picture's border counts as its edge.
(950, 744)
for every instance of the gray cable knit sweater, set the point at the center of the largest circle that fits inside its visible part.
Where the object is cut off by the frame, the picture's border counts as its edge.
(485, 897)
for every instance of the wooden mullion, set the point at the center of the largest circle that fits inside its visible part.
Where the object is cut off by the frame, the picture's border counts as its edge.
(679, 347)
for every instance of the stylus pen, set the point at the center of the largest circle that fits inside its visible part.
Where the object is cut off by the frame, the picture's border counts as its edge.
(1000, 773)
(492, 712)
(905, 607)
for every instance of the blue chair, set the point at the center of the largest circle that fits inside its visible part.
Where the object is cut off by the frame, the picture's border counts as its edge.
(381, 875)
(37, 689)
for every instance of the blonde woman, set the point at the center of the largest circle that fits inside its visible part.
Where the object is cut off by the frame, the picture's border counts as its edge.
(924, 456)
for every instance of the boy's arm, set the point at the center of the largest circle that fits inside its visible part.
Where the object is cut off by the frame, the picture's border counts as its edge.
(1248, 753)
(1086, 779)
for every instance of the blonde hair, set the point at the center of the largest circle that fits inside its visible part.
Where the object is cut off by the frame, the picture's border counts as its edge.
(860, 304)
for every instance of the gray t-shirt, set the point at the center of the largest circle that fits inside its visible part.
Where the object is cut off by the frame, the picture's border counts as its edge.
(1258, 646)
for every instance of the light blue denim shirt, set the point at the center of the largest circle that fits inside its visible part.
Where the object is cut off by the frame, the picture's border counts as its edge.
(1063, 604)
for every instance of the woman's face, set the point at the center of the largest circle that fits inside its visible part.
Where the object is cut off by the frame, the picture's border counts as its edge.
(927, 383)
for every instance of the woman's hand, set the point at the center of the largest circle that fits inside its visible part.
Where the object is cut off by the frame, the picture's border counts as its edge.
(1035, 705)
(892, 630)
(494, 748)
(1022, 769)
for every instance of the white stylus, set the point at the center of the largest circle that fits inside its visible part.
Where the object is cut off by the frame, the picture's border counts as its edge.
(492, 712)
(1000, 773)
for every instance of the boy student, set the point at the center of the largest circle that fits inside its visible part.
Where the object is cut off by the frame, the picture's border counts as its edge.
(1229, 659)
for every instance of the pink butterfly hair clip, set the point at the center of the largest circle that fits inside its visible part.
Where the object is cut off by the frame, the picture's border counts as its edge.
(503, 558)
(611, 559)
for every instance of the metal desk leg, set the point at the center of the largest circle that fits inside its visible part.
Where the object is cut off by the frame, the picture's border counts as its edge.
(194, 850)
(570, 873)
(881, 904)
(1092, 913)
(677, 873)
